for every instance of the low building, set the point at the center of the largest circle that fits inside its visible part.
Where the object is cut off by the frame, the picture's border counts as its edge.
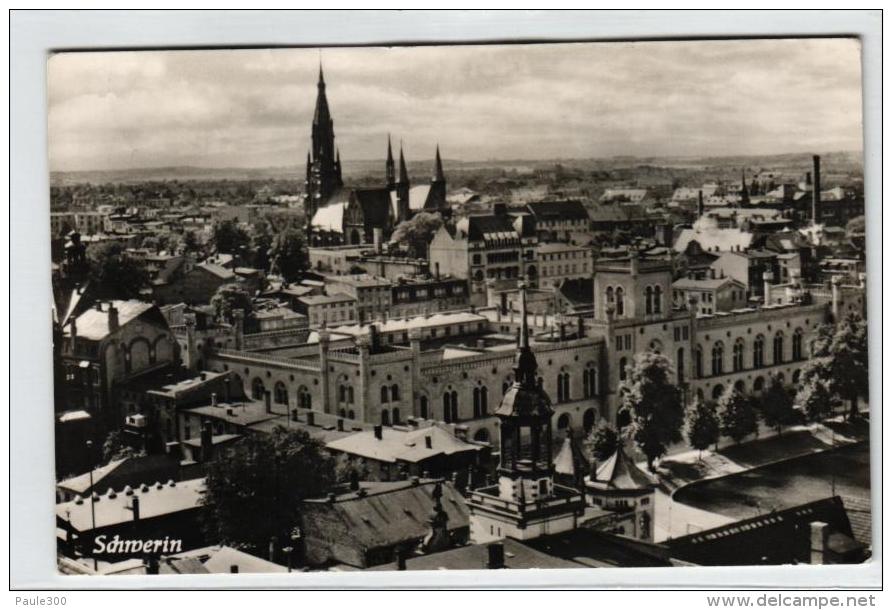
(626, 493)
(376, 522)
(333, 309)
(709, 295)
(117, 474)
(558, 262)
(432, 450)
(372, 294)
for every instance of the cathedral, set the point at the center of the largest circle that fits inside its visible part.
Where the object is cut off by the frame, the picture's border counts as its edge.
(341, 215)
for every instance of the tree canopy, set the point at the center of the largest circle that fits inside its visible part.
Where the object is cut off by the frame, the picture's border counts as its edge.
(417, 232)
(840, 357)
(737, 414)
(653, 405)
(229, 238)
(602, 441)
(114, 273)
(776, 405)
(702, 425)
(254, 490)
(289, 254)
(230, 297)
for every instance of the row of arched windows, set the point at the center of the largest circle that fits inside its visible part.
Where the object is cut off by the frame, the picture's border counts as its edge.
(739, 348)
(390, 393)
(563, 386)
(480, 401)
(589, 381)
(615, 299)
(345, 394)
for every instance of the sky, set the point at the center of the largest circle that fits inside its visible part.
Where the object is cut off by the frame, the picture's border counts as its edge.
(253, 108)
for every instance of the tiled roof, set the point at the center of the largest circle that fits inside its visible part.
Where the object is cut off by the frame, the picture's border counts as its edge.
(153, 502)
(402, 445)
(564, 210)
(93, 324)
(620, 472)
(383, 518)
(518, 556)
(715, 239)
(375, 205)
(708, 284)
(221, 272)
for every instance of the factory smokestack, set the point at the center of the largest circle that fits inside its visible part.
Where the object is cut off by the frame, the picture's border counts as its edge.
(816, 191)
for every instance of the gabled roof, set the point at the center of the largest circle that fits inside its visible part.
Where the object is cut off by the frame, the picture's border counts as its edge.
(375, 205)
(707, 284)
(221, 272)
(491, 227)
(330, 217)
(558, 210)
(397, 445)
(382, 516)
(93, 324)
(714, 239)
(570, 460)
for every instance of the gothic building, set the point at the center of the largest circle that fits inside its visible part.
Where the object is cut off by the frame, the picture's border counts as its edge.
(353, 216)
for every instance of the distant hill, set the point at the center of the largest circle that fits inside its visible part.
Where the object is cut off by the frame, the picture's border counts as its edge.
(840, 161)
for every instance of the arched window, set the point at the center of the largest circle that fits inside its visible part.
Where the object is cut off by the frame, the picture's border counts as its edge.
(422, 407)
(648, 300)
(280, 393)
(758, 385)
(454, 396)
(796, 375)
(480, 401)
(342, 413)
(658, 299)
(588, 420)
(620, 304)
(395, 416)
(257, 389)
(350, 394)
(797, 344)
(385, 417)
(476, 395)
(718, 355)
(778, 346)
(717, 391)
(385, 394)
(589, 381)
(484, 401)
(450, 407)
(351, 414)
(394, 392)
(563, 386)
(563, 421)
(608, 299)
(759, 352)
(304, 398)
(738, 355)
(679, 366)
(698, 361)
(740, 386)
(622, 369)
(342, 393)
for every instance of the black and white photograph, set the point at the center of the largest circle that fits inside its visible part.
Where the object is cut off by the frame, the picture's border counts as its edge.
(541, 305)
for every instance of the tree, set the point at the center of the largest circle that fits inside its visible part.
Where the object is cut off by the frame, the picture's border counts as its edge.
(602, 441)
(348, 469)
(115, 448)
(229, 238)
(263, 243)
(776, 405)
(228, 298)
(254, 491)
(653, 405)
(114, 273)
(190, 242)
(815, 398)
(737, 414)
(417, 232)
(289, 254)
(839, 358)
(703, 426)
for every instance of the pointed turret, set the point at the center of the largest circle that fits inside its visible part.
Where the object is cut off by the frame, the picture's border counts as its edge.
(325, 177)
(404, 173)
(390, 167)
(438, 167)
(402, 190)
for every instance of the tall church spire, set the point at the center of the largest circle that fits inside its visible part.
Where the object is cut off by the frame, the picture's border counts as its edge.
(325, 177)
(404, 173)
(525, 365)
(438, 167)
(390, 169)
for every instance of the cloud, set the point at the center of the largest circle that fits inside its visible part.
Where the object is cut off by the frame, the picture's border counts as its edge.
(110, 110)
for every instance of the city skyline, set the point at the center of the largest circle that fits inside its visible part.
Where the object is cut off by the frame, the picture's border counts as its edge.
(248, 108)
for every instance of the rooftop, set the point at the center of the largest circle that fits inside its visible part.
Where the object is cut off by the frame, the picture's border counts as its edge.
(403, 444)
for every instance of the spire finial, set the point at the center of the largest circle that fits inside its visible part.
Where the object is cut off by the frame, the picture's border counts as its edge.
(321, 76)
(438, 167)
(524, 330)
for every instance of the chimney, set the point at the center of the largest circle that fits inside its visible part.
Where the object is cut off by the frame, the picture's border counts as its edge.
(340, 425)
(495, 556)
(233, 569)
(354, 480)
(437, 270)
(135, 508)
(207, 444)
(503, 304)
(700, 203)
(712, 273)
(98, 305)
(213, 399)
(580, 327)
(819, 531)
(429, 442)
(400, 559)
(113, 322)
(373, 337)
(311, 418)
(767, 281)
(379, 432)
(151, 564)
(203, 376)
(272, 549)
(816, 191)
(267, 401)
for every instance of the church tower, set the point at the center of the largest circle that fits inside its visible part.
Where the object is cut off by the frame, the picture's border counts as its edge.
(390, 168)
(526, 502)
(744, 194)
(402, 190)
(436, 197)
(323, 161)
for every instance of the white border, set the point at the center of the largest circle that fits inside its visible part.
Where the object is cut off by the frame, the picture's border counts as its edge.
(34, 34)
